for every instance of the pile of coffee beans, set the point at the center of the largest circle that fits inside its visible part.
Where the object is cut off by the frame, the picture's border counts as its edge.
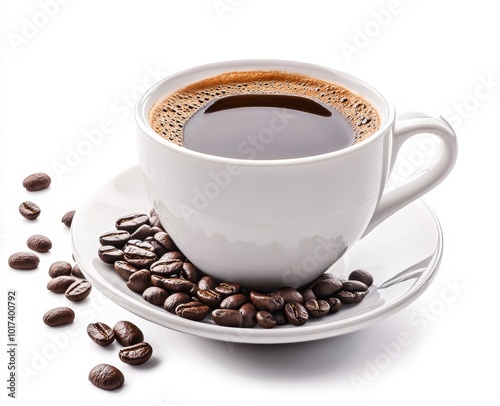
(145, 256)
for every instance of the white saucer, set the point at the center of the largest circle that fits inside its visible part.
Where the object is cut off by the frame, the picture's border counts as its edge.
(403, 254)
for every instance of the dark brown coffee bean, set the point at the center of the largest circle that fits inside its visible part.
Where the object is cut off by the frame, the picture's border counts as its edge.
(234, 301)
(60, 268)
(265, 319)
(124, 269)
(140, 257)
(249, 313)
(141, 233)
(166, 267)
(29, 210)
(307, 294)
(207, 282)
(326, 288)
(155, 230)
(174, 300)
(140, 244)
(195, 311)
(362, 276)
(270, 302)
(78, 291)
(115, 238)
(290, 295)
(166, 241)
(139, 281)
(335, 305)
(101, 333)
(350, 297)
(60, 284)
(39, 243)
(154, 221)
(106, 377)
(177, 285)
(158, 248)
(24, 260)
(59, 316)
(155, 295)
(36, 181)
(136, 354)
(127, 333)
(317, 308)
(296, 314)
(173, 255)
(131, 222)
(209, 297)
(67, 219)
(190, 272)
(227, 288)
(77, 272)
(280, 318)
(227, 317)
(110, 254)
(354, 286)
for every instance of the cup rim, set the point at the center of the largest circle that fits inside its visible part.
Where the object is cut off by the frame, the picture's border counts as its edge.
(141, 116)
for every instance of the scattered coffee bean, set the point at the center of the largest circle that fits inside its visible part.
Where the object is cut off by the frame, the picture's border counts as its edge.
(106, 377)
(77, 272)
(335, 305)
(265, 319)
(60, 284)
(24, 261)
(39, 243)
(326, 288)
(296, 314)
(195, 311)
(155, 295)
(290, 295)
(29, 210)
(209, 297)
(124, 269)
(174, 300)
(234, 301)
(132, 222)
(115, 238)
(101, 333)
(138, 256)
(249, 313)
(36, 181)
(136, 354)
(78, 291)
(127, 333)
(207, 282)
(270, 302)
(354, 286)
(317, 308)
(67, 219)
(139, 281)
(362, 276)
(59, 316)
(110, 254)
(227, 317)
(141, 233)
(60, 268)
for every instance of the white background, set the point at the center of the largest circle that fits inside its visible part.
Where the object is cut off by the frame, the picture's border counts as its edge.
(70, 68)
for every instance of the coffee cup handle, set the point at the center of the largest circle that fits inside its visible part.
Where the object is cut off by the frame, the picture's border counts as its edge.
(408, 125)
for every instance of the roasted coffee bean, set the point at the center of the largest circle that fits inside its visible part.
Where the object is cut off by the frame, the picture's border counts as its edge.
(141, 233)
(189, 272)
(29, 210)
(166, 267)
(131, 222)
(290, 295)
(265, 319)
(39, 243)
(101, 333)
(106, 377)
(116, 238)
(280, 318)
(177, 285)
(59, 316)
(77, 272)
(326, 288)
(139, 281)
(317, 308)
(195, 311)
(307, 294)
(158, 248)
(166, 241)
(155, 295)
(124, 269)
(139, 257)
(350, 297)
(227, 317)
(207, 282)
(209, 297)
(296, 314)
(174, 300)
(234, 301)
(78, 291)
(362, 276)
(320, 278)
(67, 219)
(249, 313)
(140, 244)
(154, 221)
(110, 254)
(354, 286)
(60, 268)
(173, 255)
(136, 354)
(24, 260)
(155, 230)
(335, 305)
(270, 302)
(36, 181)
(227, 288)
(127, 333)
(60, 284)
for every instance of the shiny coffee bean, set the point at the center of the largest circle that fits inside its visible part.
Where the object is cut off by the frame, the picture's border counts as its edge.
(280, 318)
(317, 308)
(110, 254)
(159, 249)
(307, 294)
(101, 334)
(166, 267)
(155, 230)
(23, 261)
(29, 210)
(136, 354)
(67, 218)
(350, 297)
(174, 300)
(296, 313)
(326, 288)
(36, 181)
(249, 313)
(227, 317)
(190, 272)
(155, 295)
(39, 243)
(195, 311)
(141, 233)
(115, 238)
(139, 244)
(77, 272)
(60, 268)
(354, 286)
(139, 281)
(335, 305)
(127, 333)
(227, 288)
(207, 282)
(209, 297)
(59, 316)
(362, 276)
(106, 377)
(60, 284)
(177, 285)
(270, 302)
(139, 257)
(234, 301)
(78, 291)
(290, 295)
(124, 269)
(166, 241)
(265, 319)
(131, 222)
(173, 255)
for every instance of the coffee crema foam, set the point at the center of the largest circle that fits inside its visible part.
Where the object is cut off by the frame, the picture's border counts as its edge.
(169, 116)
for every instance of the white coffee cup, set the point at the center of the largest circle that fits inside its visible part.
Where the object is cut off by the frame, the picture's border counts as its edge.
(272, 223)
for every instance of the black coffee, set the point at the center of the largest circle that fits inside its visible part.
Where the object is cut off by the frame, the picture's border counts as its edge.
(264, 115)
